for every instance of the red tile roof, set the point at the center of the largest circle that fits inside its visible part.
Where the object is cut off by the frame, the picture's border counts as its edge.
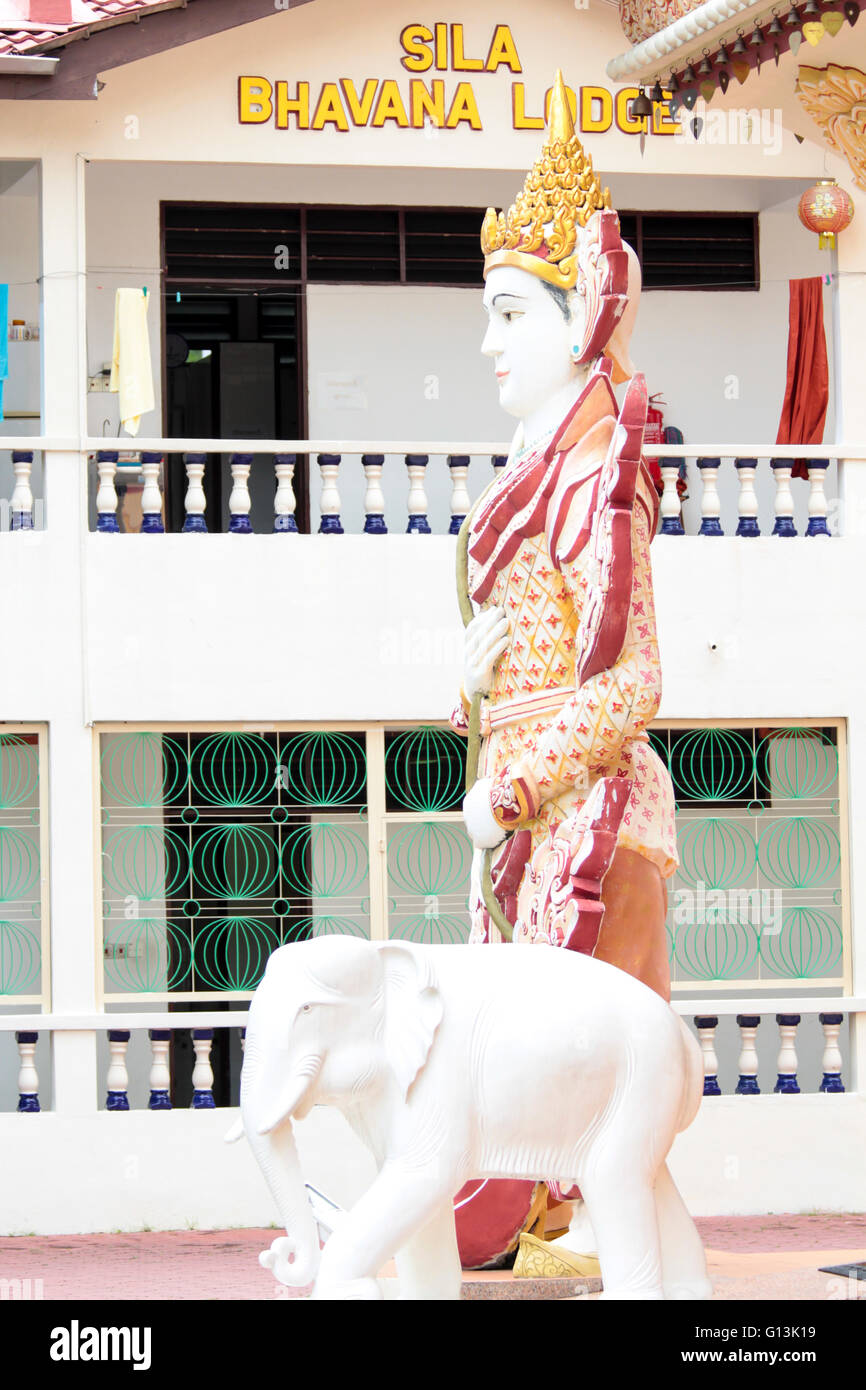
(30, 32)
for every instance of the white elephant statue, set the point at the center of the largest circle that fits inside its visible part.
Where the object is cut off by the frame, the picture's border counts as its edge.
(459, 1062)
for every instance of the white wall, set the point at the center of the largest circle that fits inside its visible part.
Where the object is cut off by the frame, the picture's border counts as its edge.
(741, 1155)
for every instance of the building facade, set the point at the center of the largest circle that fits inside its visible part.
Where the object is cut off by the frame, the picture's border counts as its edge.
(232, 640)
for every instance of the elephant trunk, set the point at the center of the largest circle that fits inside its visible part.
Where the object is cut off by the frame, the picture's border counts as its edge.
(277, 1156)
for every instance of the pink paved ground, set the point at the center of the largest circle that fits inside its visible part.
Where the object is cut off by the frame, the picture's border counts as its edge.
(773, 1257)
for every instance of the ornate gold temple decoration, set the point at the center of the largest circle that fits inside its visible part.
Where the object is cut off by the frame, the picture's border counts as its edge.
(835, 98)
(539, 231)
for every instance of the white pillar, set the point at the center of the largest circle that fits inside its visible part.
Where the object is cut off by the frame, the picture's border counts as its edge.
(239, 498)
(374, 498)
(28, 1077)
(284, 497)
(671, 508)
(151, 496)
(747, 502)
(329, 501)
(75, 959)
(706, 1026)
(202, 1072)
(786, 1082)
(106, 495)
(747, 1084)
(160, 1071)
(711, 507)
(849, 314)
(118, 1076)
(21, 505)
(195, 500)
(784, 523)
(460, 499)
(831, 1062)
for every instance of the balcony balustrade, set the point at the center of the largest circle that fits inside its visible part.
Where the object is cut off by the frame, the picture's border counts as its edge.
(776, 1022)
(761, 482)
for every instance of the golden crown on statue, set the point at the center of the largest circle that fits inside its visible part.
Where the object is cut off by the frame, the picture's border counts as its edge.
(539, 231)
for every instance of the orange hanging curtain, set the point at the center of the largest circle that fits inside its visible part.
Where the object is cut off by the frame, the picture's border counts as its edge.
(807, 389)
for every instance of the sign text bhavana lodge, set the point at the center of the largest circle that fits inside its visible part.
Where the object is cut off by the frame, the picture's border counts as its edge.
(415, 102)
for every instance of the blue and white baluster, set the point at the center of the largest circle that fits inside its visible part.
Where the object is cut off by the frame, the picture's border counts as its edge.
(151, 498)
(28, 1079)
(831, 1065)
(106, 493)
(748, 1082)
(748, 499)
(817, 497)
(784, 525)
(711, 507)
(202, 1073)
(284, 497)
(21, 505)
(118, 1076)
(239, 497)
(671, 507)
(374, 498)
(329, 502)
(499, 461)
(195, 500)
(786, 1082)
(460, 499)
(706, 1026)
(416, 467)
(160, 1073)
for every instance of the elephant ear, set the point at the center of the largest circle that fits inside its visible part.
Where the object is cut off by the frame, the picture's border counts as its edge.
(413, 1011)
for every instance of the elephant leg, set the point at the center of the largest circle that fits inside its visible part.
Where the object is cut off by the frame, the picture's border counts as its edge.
(390, 1213)
(622, 1209)
(684, 1264)
(428, 1265)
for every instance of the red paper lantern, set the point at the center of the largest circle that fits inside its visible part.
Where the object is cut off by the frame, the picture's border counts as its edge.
(826, 208)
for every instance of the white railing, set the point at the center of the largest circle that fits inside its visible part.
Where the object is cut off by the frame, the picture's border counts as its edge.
(753, 1018)
(753, 481)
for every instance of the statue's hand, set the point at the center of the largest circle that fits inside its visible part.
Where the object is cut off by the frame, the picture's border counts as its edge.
(485, 640)
(483, 828)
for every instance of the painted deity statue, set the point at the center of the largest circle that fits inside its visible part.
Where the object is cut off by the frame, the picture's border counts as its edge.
(571, 813)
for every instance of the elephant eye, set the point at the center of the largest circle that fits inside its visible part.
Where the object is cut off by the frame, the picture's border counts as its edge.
(306, 1008)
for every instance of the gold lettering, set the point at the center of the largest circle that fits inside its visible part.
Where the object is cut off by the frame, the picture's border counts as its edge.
(519, 118)
(390, 106)
(631, 125)
(298, 106)
(415, 38)
(329, 109)
(441, 47)
(588, 119)
(502, 50)
(425, 103)
(254, 100)
(459, 61)
(464, 108)
(359, 108)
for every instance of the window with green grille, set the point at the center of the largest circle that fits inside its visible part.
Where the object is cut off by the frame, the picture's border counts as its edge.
(220, 846)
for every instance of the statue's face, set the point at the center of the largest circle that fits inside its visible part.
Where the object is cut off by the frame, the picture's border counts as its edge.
(529, 339)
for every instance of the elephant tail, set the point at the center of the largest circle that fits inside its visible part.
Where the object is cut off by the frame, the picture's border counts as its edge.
(693, 1088)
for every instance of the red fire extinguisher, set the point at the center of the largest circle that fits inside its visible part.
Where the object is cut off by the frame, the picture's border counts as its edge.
(654, 434)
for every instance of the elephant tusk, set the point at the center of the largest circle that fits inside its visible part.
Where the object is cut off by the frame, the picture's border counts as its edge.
(235, 1133)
